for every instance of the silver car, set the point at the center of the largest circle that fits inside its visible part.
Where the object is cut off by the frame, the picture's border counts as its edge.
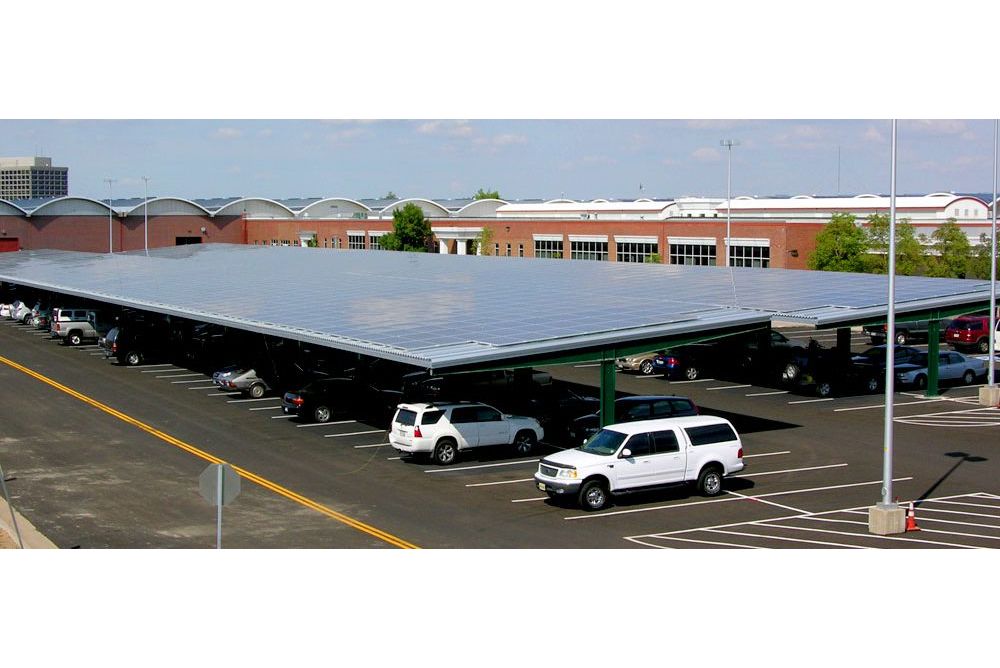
(640, 363)
(242, 380)
(952, 367)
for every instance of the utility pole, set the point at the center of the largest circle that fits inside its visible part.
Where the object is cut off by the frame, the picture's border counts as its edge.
(145, 213)
(111, 233)
(729, 144)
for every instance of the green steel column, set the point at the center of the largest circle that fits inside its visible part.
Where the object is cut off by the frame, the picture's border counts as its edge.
(844, 343)
(608, 388)
(933, 346)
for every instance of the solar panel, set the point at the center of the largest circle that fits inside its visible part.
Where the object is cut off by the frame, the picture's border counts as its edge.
(439, 311)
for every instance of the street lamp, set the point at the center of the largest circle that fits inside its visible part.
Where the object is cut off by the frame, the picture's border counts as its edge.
(145, 213)
(993, 277)
(111, 234)
(729, 144)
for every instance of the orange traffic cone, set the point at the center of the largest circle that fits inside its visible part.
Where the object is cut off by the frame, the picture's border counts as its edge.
(911, 520)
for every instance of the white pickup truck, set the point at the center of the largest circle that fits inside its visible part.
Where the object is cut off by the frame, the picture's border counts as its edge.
(644, 455)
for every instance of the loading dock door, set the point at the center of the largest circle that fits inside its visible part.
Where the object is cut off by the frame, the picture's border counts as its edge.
(9, 244)
(184, 241)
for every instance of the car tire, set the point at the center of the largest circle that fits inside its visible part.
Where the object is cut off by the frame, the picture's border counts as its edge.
(983, 345)
(593, 495)
(791, 372)
(902, 338)
(524, 442)
(692, 373)
(445, 452)
(920, 382)
(133, 358)
(710, 482)
(322, 413)
(74, 339)
(824, 388)
(968, 377)
(646, 367)
(872, 385)
(256, 391)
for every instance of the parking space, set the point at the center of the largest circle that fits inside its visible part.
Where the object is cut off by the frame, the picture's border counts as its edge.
(963, 521)
(805, 477)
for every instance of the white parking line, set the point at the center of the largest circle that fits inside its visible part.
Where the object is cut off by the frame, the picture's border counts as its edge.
(182, 382)
(150, 366)
(699, 380)
(355, 433)
(693, 540)
(182, 375)
(500, 482)
(372, 445)
(957, 512)
(808, 468)
(214, 394)
(728, 387)
(265, 408)
(483, 466)
(975, 505)
(768, 454)
(207, 387)
(809, 401)
(325, 424)
(766, 394)
(785, 538)
(584, 366)
(866, 535)
(95, 354)
(281, 417)
(967, 410)
(159, 370)
(392, 459)
(726, 499)
(245, 401)
(768, 502)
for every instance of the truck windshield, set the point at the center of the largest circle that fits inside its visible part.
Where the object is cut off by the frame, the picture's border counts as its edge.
(605, 443)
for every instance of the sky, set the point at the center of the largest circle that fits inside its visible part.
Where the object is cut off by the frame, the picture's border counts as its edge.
(548, 158)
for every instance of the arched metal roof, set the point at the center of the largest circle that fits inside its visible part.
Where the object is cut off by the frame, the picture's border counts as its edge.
(139, 207)
(304, 212)
(226, 210)
(16, 209)
(69, 198)
(481, 204)
(418, 201)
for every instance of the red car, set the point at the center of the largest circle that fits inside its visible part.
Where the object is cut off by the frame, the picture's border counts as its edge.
(969, 332)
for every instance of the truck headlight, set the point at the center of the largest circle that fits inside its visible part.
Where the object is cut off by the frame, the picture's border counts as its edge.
(566, 473)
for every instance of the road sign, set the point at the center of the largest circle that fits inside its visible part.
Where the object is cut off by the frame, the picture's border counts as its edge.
(209, 482)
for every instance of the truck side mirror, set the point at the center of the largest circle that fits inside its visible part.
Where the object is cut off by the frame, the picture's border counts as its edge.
(626, 453)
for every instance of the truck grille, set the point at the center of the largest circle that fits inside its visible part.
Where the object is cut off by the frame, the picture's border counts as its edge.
(547, 470)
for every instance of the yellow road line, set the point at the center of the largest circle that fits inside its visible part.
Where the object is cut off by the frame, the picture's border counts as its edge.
(253, 477)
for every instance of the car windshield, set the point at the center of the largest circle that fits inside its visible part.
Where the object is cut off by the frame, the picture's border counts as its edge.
(604, 443)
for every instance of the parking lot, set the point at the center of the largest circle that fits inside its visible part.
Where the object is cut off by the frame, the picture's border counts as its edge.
(116, 464)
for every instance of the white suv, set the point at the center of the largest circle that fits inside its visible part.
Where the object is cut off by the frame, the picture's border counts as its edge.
(445, 429)
(644, 455)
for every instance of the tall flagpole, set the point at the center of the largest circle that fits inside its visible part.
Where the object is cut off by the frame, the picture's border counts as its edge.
(890, 339)
(993, 265)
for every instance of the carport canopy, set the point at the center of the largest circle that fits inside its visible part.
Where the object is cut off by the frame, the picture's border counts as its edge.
(462, 313)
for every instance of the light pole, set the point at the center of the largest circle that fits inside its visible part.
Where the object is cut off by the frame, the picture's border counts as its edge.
(145, 213)
(993, 274)
(729, 144)
(111, 234)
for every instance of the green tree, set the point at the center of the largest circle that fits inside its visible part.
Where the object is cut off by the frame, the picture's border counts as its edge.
(410, 230)
(952, 251)
(390, 195)
(313, 243)
(979, 261)
(909, 250)
(484, 241)
(841, 246)
(653, 258)
(486, 194)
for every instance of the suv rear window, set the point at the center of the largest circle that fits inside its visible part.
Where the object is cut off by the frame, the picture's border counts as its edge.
(405, 417)
(967, 325)
(711, 433)
(429, 417)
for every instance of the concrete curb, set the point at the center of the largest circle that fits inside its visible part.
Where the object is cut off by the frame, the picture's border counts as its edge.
(33, 539)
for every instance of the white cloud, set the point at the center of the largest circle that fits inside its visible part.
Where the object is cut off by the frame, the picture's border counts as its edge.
(447, 128)
(706, 154)
(938, 127)
(872, 134)
(507, 139)
(228, 133)
(345, 135)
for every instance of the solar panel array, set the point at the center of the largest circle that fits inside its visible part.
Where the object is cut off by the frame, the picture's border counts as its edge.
(443, 310)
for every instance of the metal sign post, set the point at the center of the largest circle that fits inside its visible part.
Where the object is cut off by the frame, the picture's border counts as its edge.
(219, 484)
(13, 517)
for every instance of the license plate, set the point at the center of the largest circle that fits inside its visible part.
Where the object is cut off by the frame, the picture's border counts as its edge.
(540, 485)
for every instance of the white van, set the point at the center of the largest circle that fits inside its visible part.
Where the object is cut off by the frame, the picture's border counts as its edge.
(644, 455)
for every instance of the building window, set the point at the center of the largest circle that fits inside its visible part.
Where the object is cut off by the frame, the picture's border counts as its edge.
(496, 250)
(588, 250)
(549, 248)
(628, 251)
(702, 255)
(275, 242)
(508, 250)
(356, 241)
(286, 242)
(374, 242)
(750, 256)
(520, 250)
